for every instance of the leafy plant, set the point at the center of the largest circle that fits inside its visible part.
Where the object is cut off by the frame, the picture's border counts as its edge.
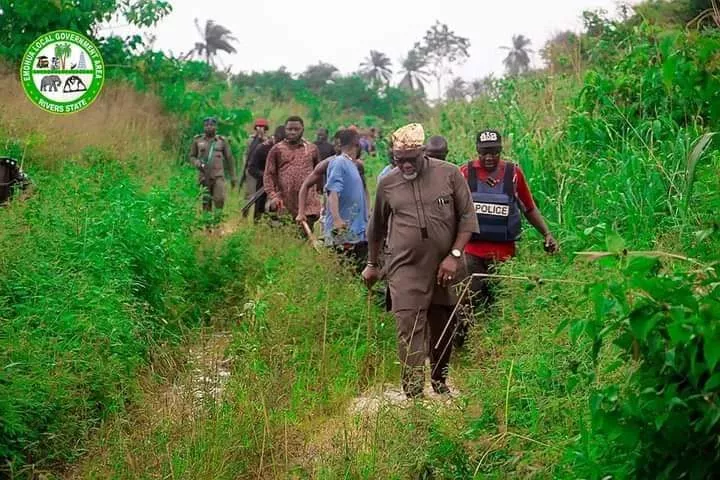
(663, 420)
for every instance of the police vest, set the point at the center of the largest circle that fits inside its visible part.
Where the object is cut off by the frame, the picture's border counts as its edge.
(496, 207)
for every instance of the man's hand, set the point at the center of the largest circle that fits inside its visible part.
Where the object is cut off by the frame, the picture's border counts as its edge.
(551, 245)
(301, 218)
(275, 205)
(370, 275)
(447, 271)
(339, 225)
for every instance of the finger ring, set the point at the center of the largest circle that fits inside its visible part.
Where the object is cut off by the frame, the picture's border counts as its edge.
(449, 277)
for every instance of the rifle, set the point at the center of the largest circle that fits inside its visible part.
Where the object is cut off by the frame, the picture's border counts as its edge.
(253, 199)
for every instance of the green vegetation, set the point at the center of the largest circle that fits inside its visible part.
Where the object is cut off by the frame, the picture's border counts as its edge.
(106, 280)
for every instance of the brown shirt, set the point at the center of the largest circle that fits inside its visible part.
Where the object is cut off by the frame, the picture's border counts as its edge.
(439, 201)
(286, 169)
(222, 159)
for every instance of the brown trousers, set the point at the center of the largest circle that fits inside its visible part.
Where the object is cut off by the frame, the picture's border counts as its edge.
(418, 332)
(214, 193)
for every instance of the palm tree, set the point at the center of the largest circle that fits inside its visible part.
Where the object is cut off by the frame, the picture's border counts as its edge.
(482, 86)
(376, 68)
(215, 38)
(457, 90)
(414, 75)
(63, 52)
(518, 57)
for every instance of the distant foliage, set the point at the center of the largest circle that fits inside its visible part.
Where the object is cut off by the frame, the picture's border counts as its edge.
(22, 22)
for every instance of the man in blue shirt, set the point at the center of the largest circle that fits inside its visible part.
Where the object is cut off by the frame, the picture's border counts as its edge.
(347, 214)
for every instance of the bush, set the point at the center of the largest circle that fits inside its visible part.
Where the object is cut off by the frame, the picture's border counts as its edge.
(95, 272)
(664, 420)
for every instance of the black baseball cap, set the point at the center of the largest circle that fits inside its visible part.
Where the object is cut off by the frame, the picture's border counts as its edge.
(489, 139)
(211, 120)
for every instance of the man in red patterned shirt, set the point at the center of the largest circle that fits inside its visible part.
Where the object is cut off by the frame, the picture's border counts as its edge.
(500, 194)
(288, 164)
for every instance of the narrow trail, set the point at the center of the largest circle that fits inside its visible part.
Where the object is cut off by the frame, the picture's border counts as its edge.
(179, 397)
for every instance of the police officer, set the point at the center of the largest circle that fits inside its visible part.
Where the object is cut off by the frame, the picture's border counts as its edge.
(212, 155)
(501, 196)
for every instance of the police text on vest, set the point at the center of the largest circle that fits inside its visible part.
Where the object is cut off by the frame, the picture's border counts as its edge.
(492, 209)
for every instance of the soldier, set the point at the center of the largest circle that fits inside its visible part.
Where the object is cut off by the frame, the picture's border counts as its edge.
(212, 156)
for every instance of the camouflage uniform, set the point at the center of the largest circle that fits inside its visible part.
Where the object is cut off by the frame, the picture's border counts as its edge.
(212, 170)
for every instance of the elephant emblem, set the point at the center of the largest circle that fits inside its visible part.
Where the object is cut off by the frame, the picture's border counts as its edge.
(74, 84)
(50, 83)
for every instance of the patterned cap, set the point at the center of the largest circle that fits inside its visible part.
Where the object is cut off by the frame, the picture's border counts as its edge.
(211, 120)
(409, 137)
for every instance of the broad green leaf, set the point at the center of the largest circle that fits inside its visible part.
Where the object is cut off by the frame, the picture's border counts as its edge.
(693, 160)
(669, 69)
(615, 243)
(678, 402)
(713, 383)
(642, 265)
(562, 326)
(642, 321)
(711, 348)
(576, 329)
(679, 333)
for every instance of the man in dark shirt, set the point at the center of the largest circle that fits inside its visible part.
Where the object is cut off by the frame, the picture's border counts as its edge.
(256, 166)
(261, 127)
(325, 148)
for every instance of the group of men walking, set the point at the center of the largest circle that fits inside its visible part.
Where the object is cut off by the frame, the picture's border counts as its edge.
(432, 226)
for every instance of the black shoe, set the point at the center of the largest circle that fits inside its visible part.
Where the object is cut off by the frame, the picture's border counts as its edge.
(440, 388)
(459, 339)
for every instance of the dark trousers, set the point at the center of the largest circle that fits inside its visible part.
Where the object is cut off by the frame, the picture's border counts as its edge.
(480, 295)
(355, 253)
(418, 333)
(259, 208)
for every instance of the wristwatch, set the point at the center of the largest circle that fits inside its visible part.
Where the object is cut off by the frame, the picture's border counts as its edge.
(456, 253)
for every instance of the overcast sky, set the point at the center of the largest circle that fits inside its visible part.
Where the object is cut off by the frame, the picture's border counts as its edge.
(299, 33)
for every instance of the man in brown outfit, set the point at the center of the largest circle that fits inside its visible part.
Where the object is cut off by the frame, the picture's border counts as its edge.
(289, 163)
(432, 219)
(212, 156)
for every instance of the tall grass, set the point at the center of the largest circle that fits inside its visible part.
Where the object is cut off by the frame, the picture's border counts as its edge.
(97, 273)
(306, 341)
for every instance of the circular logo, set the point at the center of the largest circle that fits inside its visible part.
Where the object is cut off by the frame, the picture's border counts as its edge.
(62, 72)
